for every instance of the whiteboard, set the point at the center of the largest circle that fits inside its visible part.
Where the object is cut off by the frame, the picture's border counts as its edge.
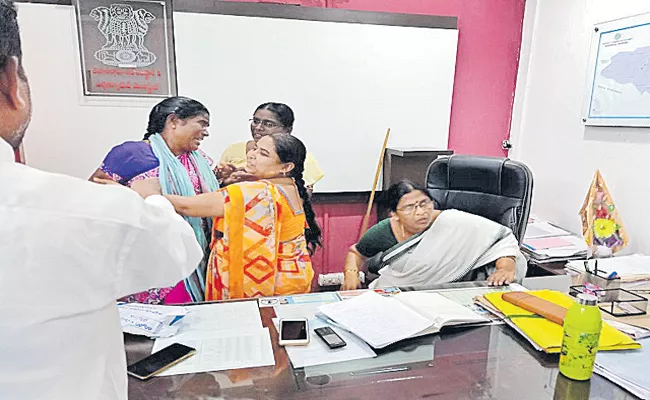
(347, 83)
(618, 79)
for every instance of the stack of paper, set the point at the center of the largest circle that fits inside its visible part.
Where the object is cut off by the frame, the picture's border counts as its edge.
(149, 320)
(225, 336)
(545, 243)
(381, 321)
(628, 369)
(635, 332)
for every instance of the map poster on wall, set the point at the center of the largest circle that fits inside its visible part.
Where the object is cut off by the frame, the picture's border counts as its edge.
(618, 79)
(126, 48)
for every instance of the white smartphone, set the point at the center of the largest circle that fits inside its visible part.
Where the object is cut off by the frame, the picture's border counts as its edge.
(294, 332)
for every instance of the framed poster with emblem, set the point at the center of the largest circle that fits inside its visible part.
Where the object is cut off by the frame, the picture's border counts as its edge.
(126, 47)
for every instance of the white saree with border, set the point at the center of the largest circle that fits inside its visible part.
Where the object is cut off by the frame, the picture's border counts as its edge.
(457, 247)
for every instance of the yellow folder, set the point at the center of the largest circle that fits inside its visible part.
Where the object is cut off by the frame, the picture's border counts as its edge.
(547, 334)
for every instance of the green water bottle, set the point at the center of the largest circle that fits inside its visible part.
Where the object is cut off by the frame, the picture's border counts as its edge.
(582, 326)
(568, 389)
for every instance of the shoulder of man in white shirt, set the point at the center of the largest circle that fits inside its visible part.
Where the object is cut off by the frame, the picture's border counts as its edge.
(78, 198)
(157, 247)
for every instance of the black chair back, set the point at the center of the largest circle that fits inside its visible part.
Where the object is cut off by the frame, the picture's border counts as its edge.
(499, 189)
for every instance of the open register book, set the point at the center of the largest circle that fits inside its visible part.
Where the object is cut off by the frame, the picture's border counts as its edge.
(380, 321)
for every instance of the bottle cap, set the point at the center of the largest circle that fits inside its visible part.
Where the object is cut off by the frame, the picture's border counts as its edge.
(586, 299)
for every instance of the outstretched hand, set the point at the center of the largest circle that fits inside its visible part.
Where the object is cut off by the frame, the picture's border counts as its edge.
(229, 174)
(104, 181)
(242, 176)
(147, 187)
(223, 171)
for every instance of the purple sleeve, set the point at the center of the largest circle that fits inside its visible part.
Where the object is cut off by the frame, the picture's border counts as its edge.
(128, 160)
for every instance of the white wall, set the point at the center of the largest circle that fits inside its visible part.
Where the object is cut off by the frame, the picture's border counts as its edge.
(69, 134)
(547, 131)
(346, 82)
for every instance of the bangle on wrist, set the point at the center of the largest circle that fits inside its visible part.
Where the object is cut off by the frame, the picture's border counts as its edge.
(356, 271)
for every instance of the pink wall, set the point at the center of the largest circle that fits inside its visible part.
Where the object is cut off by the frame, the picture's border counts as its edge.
(341, 227)
(486, 65)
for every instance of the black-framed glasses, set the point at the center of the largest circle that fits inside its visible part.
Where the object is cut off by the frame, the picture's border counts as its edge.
(410, 208)
(266, 123)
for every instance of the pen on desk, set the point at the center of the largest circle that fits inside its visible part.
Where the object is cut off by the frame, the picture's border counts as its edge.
(380, 371)
(613, 275)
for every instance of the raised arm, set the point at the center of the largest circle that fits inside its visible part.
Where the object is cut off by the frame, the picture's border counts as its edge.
(203, 205)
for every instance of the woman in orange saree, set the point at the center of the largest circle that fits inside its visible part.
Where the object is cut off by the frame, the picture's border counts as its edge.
(264, 231)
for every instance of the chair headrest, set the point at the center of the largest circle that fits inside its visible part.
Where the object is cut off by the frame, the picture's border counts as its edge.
(492, 175)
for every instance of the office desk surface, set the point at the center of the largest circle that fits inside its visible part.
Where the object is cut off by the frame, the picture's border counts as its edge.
(488, 362)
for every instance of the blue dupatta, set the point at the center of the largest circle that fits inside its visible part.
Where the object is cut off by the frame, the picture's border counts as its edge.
(175, 180)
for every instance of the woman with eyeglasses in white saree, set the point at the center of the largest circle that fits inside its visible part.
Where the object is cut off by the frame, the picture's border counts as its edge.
(420, 246)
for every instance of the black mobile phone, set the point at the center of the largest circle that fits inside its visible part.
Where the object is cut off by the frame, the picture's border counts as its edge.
(331, 338)
(160, 361)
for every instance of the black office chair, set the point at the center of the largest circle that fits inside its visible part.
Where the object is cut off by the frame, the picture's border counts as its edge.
(499, 189)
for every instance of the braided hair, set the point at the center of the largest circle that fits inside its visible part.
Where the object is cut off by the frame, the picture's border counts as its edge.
(291, 149)
(182, 107)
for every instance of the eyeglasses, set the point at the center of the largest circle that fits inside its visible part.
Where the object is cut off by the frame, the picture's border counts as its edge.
(410, 209)
(268, 124)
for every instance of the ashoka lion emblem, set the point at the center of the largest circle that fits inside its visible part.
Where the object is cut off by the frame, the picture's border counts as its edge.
(124, 30)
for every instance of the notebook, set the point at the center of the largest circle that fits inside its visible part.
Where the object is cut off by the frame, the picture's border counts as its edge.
(547, 335)
(381, 321)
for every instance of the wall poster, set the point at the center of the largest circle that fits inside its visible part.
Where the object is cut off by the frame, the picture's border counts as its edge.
(126, 47)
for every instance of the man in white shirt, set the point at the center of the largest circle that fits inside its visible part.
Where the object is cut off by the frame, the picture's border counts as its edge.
(68, 249)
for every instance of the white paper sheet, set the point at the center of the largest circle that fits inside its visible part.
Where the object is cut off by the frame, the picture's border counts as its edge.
(317, 352)
(225, 336)
(439, 309)
(541, 229)
(627, 368)
(221, 350)
(150, 320)
(241, 315)
(378, 320)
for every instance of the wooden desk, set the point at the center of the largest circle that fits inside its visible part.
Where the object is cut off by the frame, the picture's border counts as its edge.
(468, 363)
(536, 269)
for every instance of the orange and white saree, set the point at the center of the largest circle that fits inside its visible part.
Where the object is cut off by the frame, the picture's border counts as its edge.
(258, 246)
